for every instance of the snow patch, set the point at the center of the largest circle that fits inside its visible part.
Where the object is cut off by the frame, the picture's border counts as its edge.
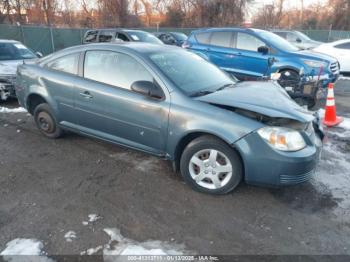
(70, 235)
(94, 217)
(345, 124)
(22, 246)
(120, 245)
(12, 110)
(333, 169)
(91, 251)
(31, 248)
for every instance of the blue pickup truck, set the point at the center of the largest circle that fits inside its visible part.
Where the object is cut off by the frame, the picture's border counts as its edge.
(247, 53)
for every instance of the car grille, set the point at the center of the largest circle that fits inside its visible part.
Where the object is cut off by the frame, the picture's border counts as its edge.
(334, 67)
(296, 179)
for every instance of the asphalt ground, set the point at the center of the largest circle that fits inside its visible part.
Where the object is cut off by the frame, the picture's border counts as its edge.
(49, 187)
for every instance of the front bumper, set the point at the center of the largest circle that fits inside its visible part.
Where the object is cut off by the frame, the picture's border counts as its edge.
(7, 86)
(264, 165)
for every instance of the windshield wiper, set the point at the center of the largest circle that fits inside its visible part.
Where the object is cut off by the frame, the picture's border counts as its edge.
(207, 92)
(223, 87)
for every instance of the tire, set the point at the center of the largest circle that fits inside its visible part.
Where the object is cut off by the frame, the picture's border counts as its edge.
(46, 122)
(212, 177)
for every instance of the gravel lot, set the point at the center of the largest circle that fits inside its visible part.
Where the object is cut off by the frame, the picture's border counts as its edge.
(50, 187)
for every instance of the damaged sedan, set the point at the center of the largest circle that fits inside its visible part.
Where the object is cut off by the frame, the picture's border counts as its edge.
(173, 104)
(12, 53)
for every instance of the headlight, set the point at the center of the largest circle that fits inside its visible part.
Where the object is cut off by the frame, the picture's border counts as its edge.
(281, 138)
(316, 64)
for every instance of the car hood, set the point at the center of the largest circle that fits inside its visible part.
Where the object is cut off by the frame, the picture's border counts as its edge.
(309, 54)
(310, 44)
(9, 67)
(265, 98)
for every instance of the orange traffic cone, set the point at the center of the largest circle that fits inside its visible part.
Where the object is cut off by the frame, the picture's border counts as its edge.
(330, 117)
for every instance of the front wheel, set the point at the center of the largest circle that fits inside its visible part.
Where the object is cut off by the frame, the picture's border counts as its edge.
(209, 165)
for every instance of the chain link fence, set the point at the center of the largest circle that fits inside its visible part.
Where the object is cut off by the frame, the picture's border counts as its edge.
(47, 40)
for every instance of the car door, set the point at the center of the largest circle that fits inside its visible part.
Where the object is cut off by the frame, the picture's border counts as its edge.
(220, 51)
(202, 44)
(60, 75)
(109, 108)
(248, 60)
(342, 53)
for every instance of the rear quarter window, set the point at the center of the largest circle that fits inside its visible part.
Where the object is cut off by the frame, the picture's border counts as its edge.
(67, 64)
(203, 38)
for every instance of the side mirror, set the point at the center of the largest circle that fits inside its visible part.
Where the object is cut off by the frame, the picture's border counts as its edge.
(298, 40)
(147, 88)
(263, 49)
(39, 54)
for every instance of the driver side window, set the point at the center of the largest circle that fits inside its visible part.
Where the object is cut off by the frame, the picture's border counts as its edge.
(114, 69)
(248, 42)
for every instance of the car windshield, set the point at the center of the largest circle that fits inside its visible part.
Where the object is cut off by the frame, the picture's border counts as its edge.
(277, 41)
(302, 36)
(180, 36)
(15, 51)
(191, 73)
(140, 36)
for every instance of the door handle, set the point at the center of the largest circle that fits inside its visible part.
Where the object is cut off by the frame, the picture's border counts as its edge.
(86, 94)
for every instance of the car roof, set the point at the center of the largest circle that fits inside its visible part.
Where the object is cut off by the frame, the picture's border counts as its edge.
(228, 29)
(282, 30)
(133, 47)
(116, 29)
(8, 41)
(137, 48)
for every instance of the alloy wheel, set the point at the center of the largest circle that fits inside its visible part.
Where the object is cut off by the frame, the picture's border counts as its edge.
(210, 168)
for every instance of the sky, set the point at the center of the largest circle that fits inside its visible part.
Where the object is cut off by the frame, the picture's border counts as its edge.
(288, 4)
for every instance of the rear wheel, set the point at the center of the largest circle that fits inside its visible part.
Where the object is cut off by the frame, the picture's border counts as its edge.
(46, 121)
(209, 165)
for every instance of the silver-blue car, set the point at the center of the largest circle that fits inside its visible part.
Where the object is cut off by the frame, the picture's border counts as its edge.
(173, 104)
